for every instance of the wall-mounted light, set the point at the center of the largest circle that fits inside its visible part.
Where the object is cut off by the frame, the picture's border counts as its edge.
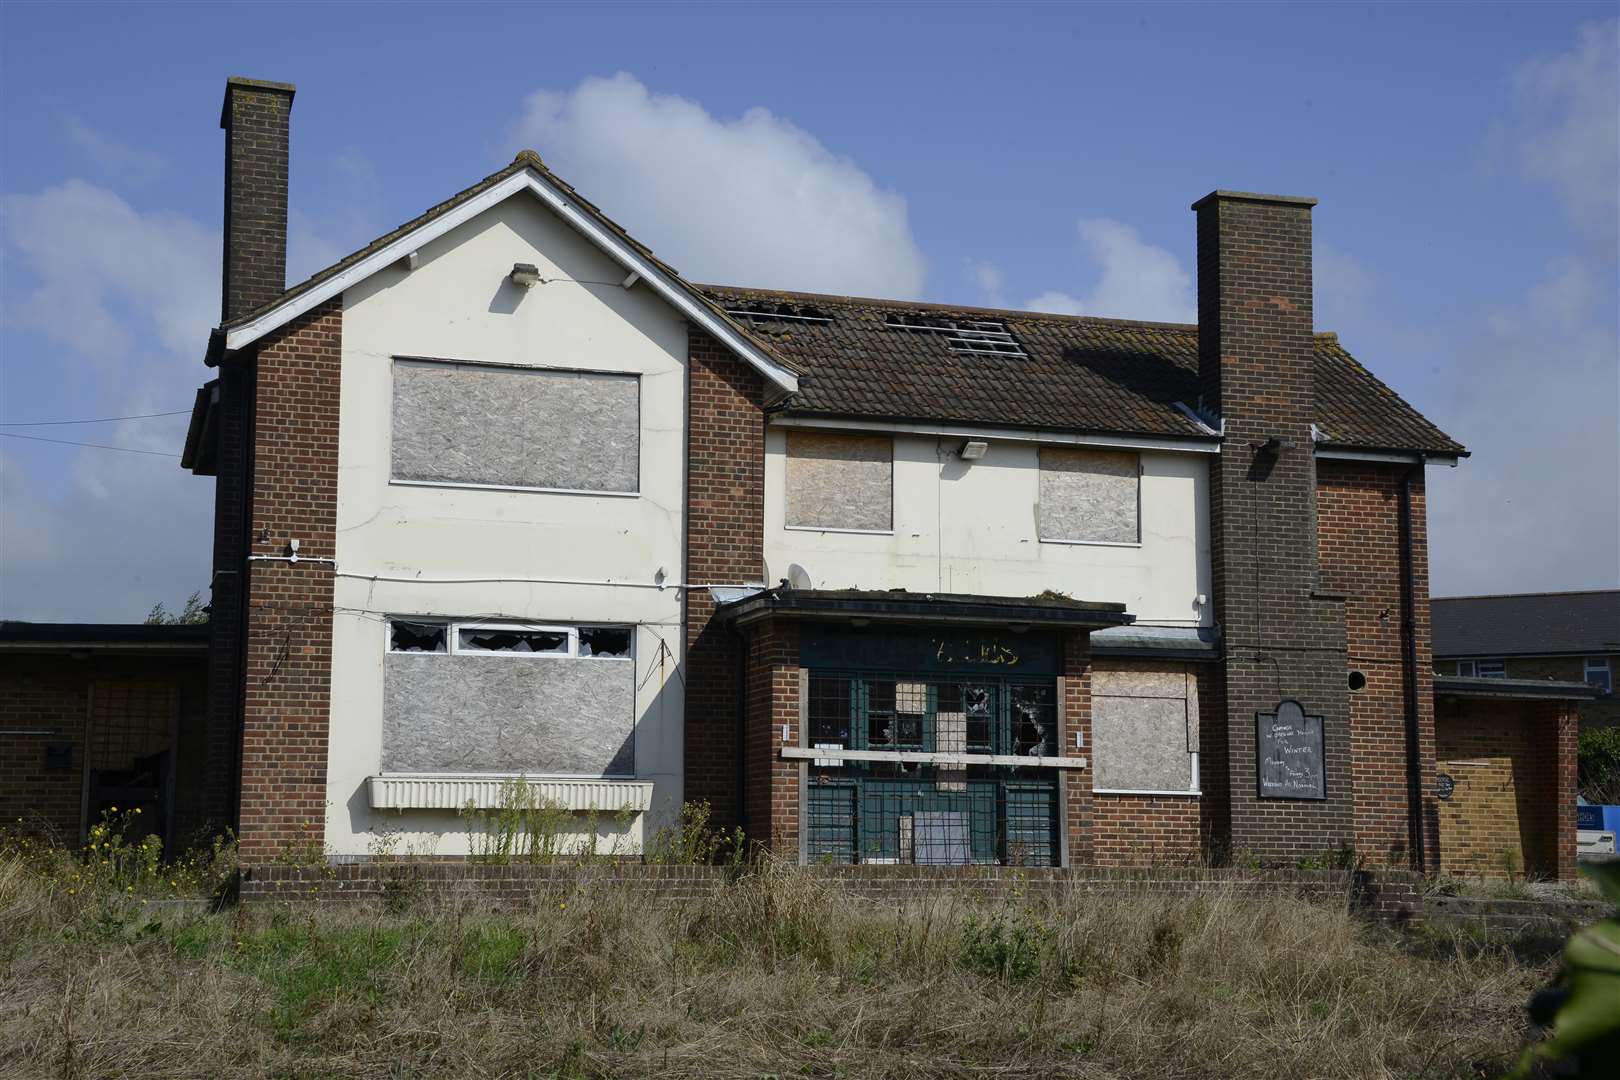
(973, 450)
(526, 275)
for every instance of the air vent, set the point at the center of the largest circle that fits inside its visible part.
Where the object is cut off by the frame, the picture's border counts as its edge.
(801, 313)
(984, 337)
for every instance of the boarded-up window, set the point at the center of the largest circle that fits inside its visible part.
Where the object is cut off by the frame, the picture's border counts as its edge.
(515, 427)
(840, 481)
(509, 698)
(1144, 729)
(1089, 495)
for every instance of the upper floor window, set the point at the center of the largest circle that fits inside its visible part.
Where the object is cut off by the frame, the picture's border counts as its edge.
(1090, 496)
(1482, 669)
(511, 639)
(483, 425)
(842, 482)
(1597, 673)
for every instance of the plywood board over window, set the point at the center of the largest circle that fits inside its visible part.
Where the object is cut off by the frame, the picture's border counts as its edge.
(1090, 496)
(1145, 729)
(493, 426)
(837, 481)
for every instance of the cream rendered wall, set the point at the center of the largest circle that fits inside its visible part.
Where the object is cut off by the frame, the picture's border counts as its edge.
(459, 304)
(971, 527)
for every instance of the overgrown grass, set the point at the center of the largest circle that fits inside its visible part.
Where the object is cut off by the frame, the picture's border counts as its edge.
(776, 976)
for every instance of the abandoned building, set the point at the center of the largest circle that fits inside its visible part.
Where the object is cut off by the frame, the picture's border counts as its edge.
(502, 497)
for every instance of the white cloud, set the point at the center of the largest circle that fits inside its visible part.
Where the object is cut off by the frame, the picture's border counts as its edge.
(1537, 506)
(753, 200)
(103, 271)
(95, 534)
(132, 164)
(1134, 279)
(1568, 128)
(989, 280)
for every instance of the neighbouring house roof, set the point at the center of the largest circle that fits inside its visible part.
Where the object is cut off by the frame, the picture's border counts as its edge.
(1525, 689)
(1526, 624)
(103, 637)
(894, 360)
(898, 605)
(527, 170)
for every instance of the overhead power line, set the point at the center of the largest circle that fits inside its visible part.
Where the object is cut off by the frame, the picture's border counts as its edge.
(97, 420)
(92, 445)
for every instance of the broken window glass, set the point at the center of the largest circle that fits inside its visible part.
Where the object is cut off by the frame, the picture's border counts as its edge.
(417, 637)
(604, 641)
(1034, 718)
(544, 642)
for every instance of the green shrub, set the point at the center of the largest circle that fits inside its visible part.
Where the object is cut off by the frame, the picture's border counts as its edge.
(1600, 766)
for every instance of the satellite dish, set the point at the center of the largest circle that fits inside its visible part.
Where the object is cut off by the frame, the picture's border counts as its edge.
(798, 577)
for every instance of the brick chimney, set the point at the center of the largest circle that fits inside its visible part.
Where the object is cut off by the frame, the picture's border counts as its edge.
(255, 118)
(1283, 638)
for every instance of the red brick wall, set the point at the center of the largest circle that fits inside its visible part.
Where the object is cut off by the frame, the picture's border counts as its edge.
(772, 795)
(725, 537)
(1513, 763)
(1133, 830)
(1075, 688)
(1359, 546)
(289, 637)
(38, 693)
(44, 692)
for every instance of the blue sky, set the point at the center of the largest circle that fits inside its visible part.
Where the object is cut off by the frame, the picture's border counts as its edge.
(1464, 156)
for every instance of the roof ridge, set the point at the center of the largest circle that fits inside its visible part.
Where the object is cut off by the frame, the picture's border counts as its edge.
(966, 309)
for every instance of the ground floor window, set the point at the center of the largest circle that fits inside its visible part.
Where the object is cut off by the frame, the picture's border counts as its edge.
(994, 817)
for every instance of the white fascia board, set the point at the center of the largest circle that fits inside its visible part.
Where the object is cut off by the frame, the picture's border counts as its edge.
(633, 262)
(1391, 457)
(966, 431)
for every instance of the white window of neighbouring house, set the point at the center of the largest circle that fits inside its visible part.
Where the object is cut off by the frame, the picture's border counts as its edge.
(1597, 673)
(1090, 496)
(483, 425)
(501, 697)
(1144, 730)
(1490, 669)
(1465, 668)
(840, 482)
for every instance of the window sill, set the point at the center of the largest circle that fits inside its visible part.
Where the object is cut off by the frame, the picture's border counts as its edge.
(453, 791)
(851, 532)
(1093, 543)
(394, 482)
(1147, 791)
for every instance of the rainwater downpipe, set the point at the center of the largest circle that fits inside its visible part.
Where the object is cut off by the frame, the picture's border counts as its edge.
(1414, 756)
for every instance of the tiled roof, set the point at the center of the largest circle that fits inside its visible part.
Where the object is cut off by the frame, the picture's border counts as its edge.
(1526, 624)
(1075, 372)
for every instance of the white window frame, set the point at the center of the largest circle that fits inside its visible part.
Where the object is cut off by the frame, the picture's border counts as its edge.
(1466, 669)
(453, 629)
(1498, 669)
(1595, 665)
(1196, 790)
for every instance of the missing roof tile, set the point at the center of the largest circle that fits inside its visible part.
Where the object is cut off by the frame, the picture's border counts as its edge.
(982, 337)
(767, 312)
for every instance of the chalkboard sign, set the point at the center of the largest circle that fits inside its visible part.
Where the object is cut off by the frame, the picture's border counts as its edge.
(1288, 754)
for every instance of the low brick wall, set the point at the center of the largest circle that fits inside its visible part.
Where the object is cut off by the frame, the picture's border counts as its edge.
(1391, 896)
(1512, 918)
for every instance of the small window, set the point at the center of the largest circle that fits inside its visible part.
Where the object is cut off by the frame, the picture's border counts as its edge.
(513, 639)
(1597, 673)
(843, 482)
(1490, 669)
(418, 637)
(604, 641)
(1465, 668)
